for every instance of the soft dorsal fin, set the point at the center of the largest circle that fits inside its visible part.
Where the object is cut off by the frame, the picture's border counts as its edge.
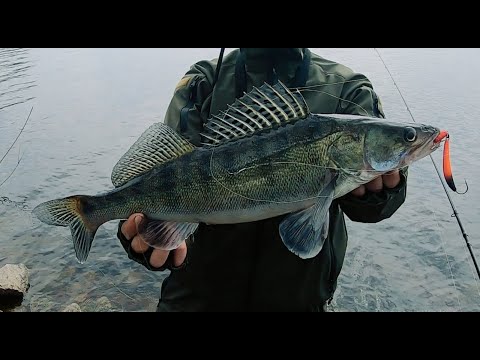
(259, 109)
(157, 145)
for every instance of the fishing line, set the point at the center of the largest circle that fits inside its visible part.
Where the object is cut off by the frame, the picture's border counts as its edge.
(444, 248)
(330, 84)
(455, 213)
(357, 172)
(11, 173)
(114, 285)
(20, 133)
(473, 273)
(11, 146)
(339, 98)
(249, 198)
(96, 267)
(347, 170)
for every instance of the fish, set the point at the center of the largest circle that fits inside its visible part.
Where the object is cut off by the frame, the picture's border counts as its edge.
(265, 155)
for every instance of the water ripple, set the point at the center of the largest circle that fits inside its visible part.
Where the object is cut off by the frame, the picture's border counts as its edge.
(15, 77)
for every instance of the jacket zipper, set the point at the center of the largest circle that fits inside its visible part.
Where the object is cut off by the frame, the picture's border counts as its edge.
(188, 106)
(332, 271)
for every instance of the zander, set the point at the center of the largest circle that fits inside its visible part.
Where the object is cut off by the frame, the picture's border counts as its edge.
(264, 156)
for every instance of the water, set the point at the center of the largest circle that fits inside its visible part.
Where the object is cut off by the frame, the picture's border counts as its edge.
(90, 105)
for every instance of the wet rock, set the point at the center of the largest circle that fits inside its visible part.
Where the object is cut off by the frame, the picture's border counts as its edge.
(41, 304)
(13, 284)
(104, 305)
(72, 308)
(80, 299)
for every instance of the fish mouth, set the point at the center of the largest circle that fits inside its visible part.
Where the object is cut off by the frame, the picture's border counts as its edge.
(442, 135)
(427, 147)
(437, 138)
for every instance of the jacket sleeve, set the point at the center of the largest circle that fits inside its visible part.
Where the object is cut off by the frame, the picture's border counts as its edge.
(361, 99)
(187, 111)
(190, 104)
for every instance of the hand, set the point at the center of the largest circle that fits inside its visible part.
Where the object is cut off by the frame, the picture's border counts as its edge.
(388, 180)
(158, 257)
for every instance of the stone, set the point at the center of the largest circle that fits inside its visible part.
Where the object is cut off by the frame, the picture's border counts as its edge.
(103, 305)
(72, 308)
(13, 284)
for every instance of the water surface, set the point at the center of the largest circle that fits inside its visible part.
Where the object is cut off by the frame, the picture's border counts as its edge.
(90, 105)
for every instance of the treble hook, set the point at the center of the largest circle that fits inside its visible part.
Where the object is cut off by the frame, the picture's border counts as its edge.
(451, 185)
(461, 193)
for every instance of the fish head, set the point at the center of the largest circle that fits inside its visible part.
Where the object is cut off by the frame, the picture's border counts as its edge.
(389, 146)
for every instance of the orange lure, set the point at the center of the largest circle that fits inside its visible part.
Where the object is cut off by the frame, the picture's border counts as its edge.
(447, 168)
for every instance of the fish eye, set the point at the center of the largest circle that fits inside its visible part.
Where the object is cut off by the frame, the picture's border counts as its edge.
(410, 134)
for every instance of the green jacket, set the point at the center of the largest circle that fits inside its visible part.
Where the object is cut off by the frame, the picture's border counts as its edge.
(246, 267)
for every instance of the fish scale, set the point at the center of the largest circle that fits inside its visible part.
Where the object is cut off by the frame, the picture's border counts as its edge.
(266, 156)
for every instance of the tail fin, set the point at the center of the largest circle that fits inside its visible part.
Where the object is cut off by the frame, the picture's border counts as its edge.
(69, 212)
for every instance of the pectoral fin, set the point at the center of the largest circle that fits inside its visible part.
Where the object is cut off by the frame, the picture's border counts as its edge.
(304, 232)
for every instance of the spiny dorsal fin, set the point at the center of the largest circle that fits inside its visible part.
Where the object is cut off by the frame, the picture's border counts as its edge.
(157, 145)
(259, 109)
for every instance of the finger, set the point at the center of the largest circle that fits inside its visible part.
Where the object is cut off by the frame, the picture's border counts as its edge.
(391, 179)
(138, 245)
(158, 257)
(129, 227)
(359, 192)
(180, 254)
(375, 185)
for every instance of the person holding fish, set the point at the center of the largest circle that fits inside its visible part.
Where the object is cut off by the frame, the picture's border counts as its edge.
(245, 266)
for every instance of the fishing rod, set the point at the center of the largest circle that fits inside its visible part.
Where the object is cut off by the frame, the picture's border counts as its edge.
(219, 65)
(10, 148)
(452, 186)
(20, 133)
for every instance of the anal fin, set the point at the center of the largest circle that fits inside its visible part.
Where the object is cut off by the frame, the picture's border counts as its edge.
(166, 235)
